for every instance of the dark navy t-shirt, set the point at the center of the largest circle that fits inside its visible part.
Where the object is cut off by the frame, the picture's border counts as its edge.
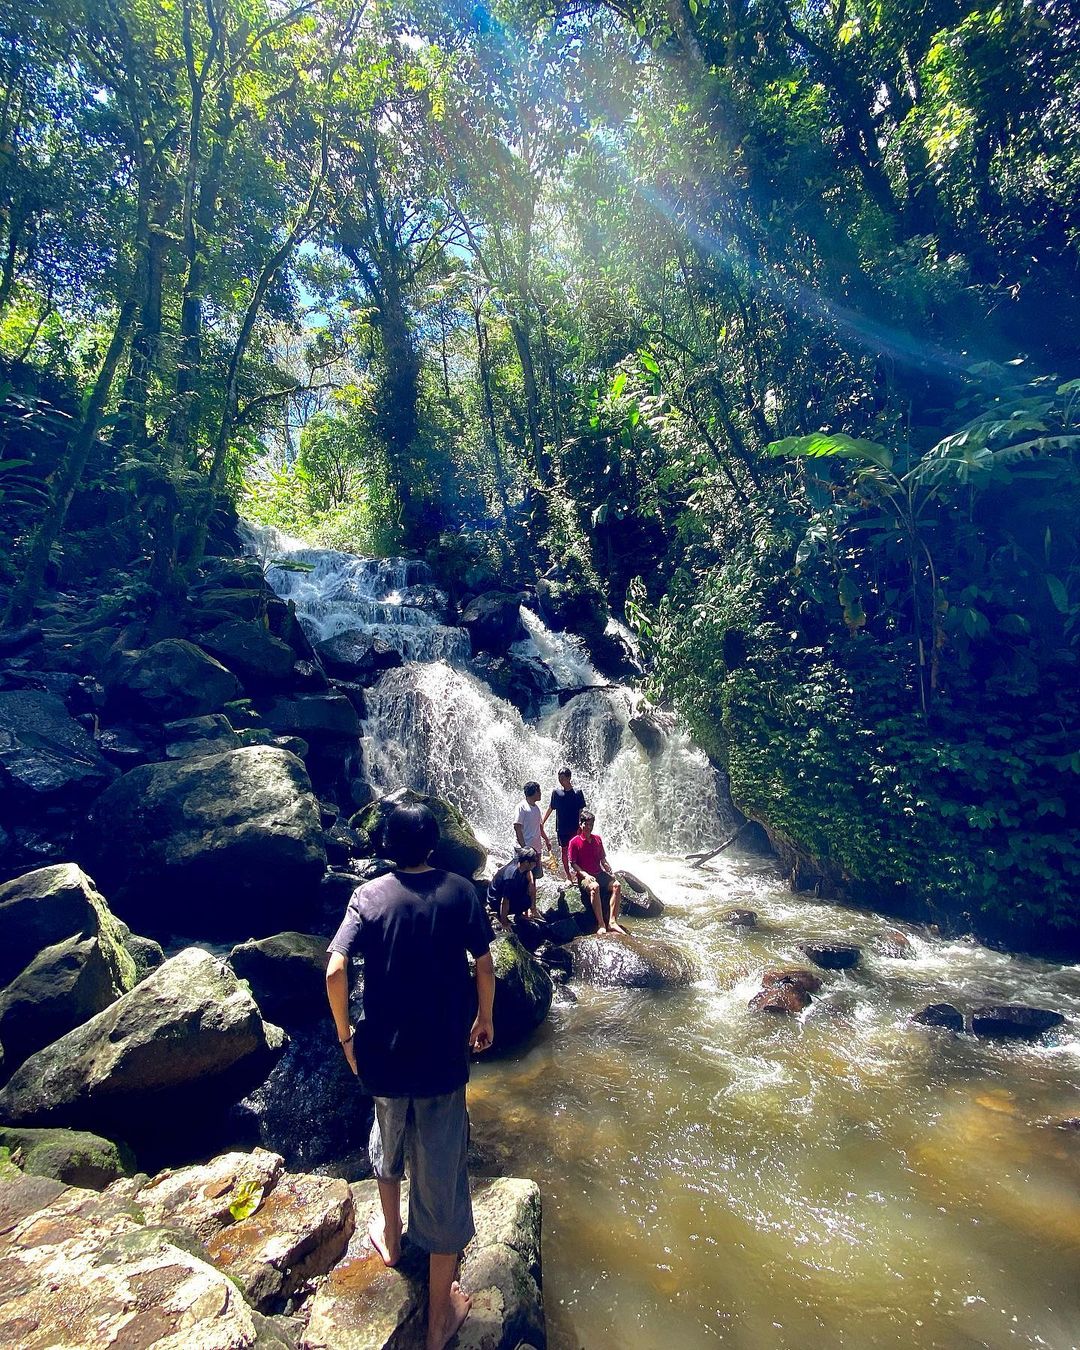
(413, 930)
(567, 806)
(510, 883)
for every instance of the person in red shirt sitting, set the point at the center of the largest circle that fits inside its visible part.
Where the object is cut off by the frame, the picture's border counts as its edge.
(591, 870)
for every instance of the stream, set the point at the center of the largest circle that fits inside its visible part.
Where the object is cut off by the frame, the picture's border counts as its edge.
(709, 1173)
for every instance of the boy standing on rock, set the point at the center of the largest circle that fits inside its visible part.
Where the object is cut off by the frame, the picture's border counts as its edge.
(529, 828)
(413, 929)
(567, 802)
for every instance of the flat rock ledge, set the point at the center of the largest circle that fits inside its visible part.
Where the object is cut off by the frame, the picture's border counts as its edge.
(238, 1253)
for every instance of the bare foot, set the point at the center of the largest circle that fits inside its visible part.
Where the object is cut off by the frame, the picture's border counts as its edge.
(389, 1251)
(615, 927)
(460, 1303)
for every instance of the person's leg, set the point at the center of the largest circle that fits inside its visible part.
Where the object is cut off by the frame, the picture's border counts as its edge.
(387, 1150)
(616, 901)
(592, 894)
(440, 1208)
(448, 1303)
(564, 844)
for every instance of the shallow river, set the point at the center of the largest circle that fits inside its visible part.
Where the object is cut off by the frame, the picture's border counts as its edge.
(711, 1174)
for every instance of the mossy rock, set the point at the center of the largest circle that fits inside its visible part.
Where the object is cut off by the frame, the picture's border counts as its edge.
(458, 849)
(523, 992)
(73, 1156)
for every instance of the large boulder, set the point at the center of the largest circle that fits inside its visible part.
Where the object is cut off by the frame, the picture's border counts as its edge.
(175, 1050)
(831, 955)
(638, 897)
(458, 849)
(315, 717)
(63, 986)
(1013, 1021)
(194, 736)
(287, 975)
(46, 757)
(299, 1231)
(46, 906)
(523, 681)
(523, 992)
(200, 1199)
(80, 1269)
(261, 660)
(72, 1156)
(359, 656)
(620, 960)
(493, 621)
(171, 679)
(362, 1304)
(222, 845)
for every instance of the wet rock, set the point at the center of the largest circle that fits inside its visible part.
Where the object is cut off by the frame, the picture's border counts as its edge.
(354, 692)
(45, 755)
(315, 717)
(522, 681)
(650, 729)
(493, 621)
(804, 980)
(194, 736)
(895, 945)
(64, 986)
(172, 679)
(940, 1015)
(359, 656)
(72, 1156)
(781, 998)
(179, 1046)
(638, 898)
(145, 952)
(287, 975)
(620, 960)
(224, 845)
(458, 849)
(592, 728)
(261, 660)
(739, 918)
(1071, 1124)
(831, 955)
(343, 843)
(565, 912)
(1013, 1021)
(79, 1271)
(197, 1199)
(523, 991)
(556, 960)
(308, 677)
(362, 1304)
(127, 748)
(300, 1231)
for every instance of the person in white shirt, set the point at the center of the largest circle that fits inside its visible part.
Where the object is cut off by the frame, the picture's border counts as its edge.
(529, 828)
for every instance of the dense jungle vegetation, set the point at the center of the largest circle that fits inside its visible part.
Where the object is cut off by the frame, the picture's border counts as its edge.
(752, 321)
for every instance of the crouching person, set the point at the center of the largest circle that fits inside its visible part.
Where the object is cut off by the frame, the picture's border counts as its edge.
(422, 1014)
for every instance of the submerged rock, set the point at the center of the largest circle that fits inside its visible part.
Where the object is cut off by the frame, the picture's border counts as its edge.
(940, 1015)
(155, 1065)
(894, 944)
(739, 918)
(620, 960)
(1013, 1021)
(72, 1156)
(781, 998)
(458, 849)
(523, 991)
(224, 845)
(831, 955)
(804, 980)
(638, 898)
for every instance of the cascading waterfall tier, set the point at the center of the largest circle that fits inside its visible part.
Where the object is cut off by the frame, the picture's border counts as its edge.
(435, 725)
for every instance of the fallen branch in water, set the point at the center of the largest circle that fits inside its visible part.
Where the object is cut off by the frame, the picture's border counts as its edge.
(700, 859)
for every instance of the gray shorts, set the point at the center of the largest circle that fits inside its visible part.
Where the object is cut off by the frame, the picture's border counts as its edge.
(434, 1132)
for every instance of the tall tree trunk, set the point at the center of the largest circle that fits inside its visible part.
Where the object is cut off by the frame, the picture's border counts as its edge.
(68, 475)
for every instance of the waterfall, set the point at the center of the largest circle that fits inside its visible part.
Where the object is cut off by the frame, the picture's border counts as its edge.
(434, 724)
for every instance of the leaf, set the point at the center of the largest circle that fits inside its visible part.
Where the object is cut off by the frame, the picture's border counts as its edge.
(245, 1200)
(851, 604)
(1058, 594)
(837, 445)
(618, 384)
(649, 362)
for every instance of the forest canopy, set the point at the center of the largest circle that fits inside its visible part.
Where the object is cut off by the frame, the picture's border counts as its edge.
(750, 323)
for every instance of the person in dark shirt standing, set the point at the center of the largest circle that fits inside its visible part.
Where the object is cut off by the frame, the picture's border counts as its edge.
(567, 802)
(422, 1014)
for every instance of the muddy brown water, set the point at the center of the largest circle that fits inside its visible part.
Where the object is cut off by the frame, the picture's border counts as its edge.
(711, 1175)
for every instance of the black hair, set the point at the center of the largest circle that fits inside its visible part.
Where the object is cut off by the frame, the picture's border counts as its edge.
(564, 772)
(409, 834)
(530, 788)
(527, 855)
(583, 816)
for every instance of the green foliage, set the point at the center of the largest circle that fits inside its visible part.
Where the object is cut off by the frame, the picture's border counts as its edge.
(245, 1199)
